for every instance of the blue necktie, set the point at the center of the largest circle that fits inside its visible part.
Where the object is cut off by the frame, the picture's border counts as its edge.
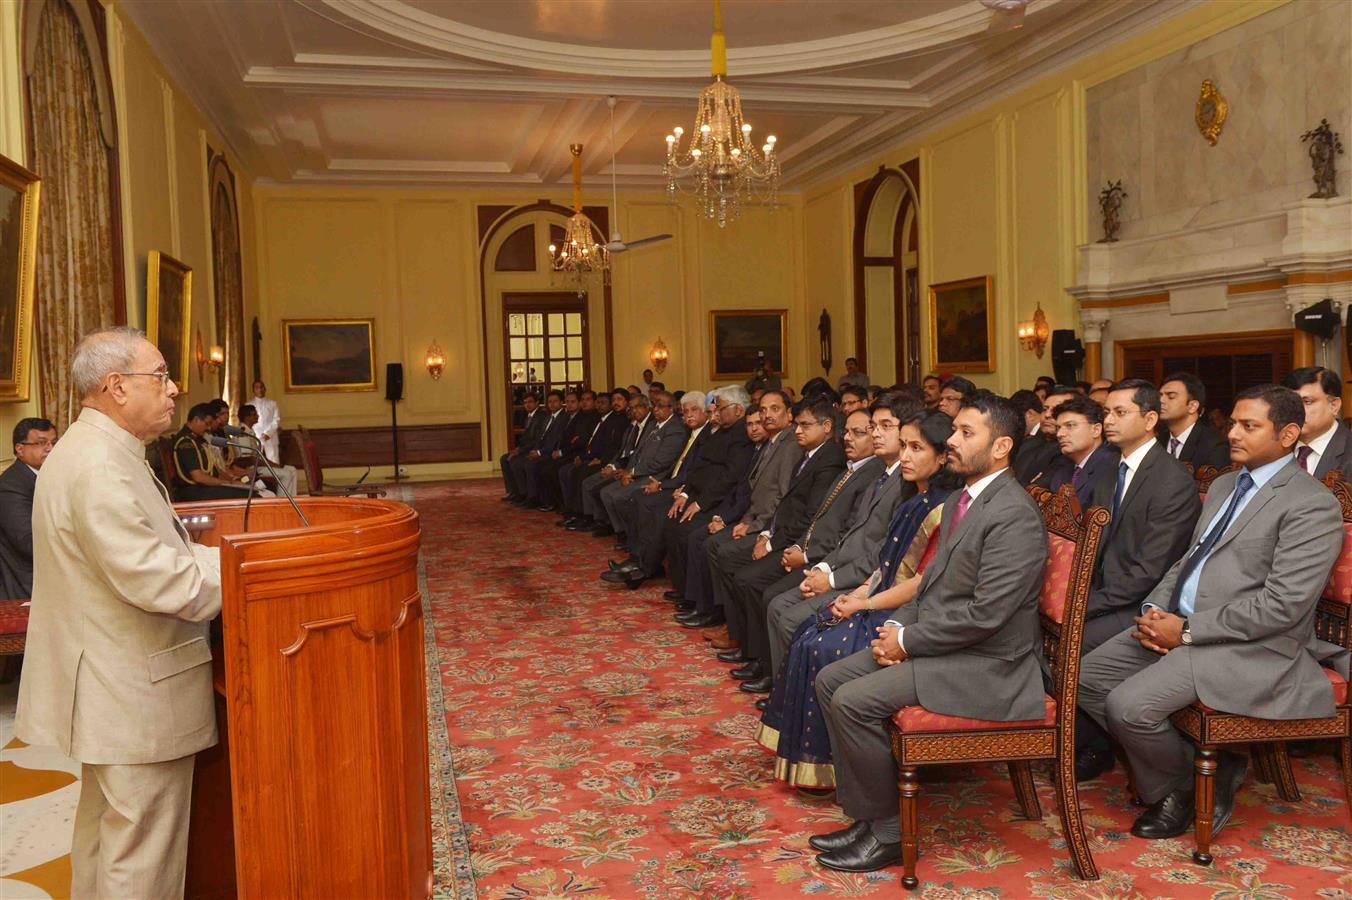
(1121, 486)
(1199, 555)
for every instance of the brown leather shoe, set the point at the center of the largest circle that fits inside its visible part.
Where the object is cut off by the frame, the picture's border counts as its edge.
(725, 644)
(717, 633)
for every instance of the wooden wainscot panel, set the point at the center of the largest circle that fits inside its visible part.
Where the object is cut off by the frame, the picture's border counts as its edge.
(338, 447)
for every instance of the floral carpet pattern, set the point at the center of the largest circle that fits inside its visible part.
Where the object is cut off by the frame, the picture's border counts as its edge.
(600, 751)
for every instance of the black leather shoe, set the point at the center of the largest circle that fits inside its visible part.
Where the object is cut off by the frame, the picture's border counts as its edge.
(707, 620)
(602, 531)
(616, 576)
(761, 685)
(630, 563)
(762, 703)
(867, 854)
(1166, 818)
(1090, 764)
(547, 507)
(1229, 776)
(566, 521)
(582, 523)
(734, 656)
(749, 672)
(673, 595)
(634, 579)
(682, 608)
(836, 840)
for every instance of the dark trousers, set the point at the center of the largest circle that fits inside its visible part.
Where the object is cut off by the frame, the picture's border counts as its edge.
(518, 465)
(509, 483)
(570, 486)
(754, 586)
(699, 580)
(680, 541)
(726, 560)
(1089, 735)
(550, 492)
(644, 517)
(589, 495)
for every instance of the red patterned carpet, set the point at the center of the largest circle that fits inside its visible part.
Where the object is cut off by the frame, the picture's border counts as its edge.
(600, 750)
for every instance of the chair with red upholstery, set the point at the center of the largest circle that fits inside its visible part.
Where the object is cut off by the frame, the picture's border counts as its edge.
(1212, 729)
(314, 473)
(920, 737)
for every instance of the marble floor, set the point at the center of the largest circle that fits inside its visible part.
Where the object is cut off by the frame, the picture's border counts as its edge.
(38, 790)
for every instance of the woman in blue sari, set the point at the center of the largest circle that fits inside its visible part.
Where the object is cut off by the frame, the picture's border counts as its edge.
(792, 725)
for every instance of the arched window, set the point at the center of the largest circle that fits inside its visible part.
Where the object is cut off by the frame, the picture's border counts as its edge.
(72, 148)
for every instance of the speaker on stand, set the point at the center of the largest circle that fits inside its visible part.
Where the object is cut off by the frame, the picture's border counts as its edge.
(394, 392)
(1067, 355)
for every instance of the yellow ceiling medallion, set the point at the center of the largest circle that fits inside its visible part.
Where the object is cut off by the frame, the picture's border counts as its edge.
(1211, 110)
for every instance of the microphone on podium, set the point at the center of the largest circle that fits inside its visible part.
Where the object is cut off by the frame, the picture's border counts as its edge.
(216, 440)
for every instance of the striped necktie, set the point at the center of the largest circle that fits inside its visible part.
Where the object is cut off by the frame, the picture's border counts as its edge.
(826, 504)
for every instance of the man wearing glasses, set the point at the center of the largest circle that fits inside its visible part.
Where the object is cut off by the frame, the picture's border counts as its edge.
(33, 440)
(117, 669)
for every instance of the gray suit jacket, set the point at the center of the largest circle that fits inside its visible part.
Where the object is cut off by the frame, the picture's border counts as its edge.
(855, 557)
(770, 479)
(1337, 455)
(1254, 651)
(659, 447)
(972, 633)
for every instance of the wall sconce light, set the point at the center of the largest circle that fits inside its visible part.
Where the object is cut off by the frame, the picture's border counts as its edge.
(435, 361)
(212, 359)
(1034, 333)
(215, 357)
(659, 356)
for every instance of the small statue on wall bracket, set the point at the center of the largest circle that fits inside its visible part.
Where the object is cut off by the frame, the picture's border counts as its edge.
(1110, 202)
(1324, 146)
(824, 337)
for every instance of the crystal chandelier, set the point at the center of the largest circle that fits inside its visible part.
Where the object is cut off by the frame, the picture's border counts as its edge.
(580, 256)
(721, 165)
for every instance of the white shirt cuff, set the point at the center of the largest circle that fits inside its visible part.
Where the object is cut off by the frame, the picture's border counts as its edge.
(893, 623)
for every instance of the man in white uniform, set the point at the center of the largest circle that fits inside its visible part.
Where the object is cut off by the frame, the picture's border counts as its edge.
(117, 670)
(269, 427)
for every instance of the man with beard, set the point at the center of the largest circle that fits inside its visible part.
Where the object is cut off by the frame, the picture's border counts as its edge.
(967, 645)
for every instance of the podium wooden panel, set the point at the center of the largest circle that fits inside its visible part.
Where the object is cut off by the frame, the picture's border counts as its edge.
(319, 787)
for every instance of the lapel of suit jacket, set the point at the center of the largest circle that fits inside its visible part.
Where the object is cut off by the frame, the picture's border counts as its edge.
(767, 453)
(1138, 480)
(1260, 499)
(949, 542)
(1336, 450)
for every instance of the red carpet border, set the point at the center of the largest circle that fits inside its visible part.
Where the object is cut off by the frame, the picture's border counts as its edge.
(599, 750)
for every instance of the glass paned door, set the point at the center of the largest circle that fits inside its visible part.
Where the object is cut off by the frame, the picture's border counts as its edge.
(546, 348)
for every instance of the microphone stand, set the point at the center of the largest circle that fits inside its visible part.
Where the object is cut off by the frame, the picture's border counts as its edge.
(258, 446)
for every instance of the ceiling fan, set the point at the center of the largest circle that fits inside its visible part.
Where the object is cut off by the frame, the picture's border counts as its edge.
(618, 244)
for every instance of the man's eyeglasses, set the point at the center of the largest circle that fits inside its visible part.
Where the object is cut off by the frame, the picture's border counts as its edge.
(165, 378)
(48, 444)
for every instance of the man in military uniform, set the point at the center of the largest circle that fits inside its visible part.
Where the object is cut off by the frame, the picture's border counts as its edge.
(196, 476)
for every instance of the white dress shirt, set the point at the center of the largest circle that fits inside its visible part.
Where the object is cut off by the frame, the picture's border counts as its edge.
(1319, 446)
(1134, 462)
(1182, 440)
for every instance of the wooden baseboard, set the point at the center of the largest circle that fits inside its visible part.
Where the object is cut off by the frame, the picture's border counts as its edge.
(338, 447)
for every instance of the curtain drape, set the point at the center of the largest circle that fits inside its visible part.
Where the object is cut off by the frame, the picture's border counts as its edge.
(75, 293)
(229, 293)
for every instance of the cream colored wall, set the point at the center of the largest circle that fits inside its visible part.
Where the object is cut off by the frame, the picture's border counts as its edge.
(1002, 194)
(163, 172)
(409, 259)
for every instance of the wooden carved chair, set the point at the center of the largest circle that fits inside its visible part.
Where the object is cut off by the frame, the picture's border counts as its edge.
(165, 446)
(314, 473)
(1212, 729)
(921, 737)
(1208, 474)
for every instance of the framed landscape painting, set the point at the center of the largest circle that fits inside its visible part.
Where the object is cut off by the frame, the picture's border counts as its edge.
(329, 354)
(18, 257)
(169, 312)
(738, 336)
(962, 326)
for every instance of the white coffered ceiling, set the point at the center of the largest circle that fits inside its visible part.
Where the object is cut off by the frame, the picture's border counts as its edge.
(491, 92)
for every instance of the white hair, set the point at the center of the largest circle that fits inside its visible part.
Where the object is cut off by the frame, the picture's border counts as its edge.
(693, 398)
(102, 352)
(735, 395)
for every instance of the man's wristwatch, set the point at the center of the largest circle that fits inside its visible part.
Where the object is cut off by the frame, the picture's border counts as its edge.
(1186, 635)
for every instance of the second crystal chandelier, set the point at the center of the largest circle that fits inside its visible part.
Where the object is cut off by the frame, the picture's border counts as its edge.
(580, 256)
(721, 165)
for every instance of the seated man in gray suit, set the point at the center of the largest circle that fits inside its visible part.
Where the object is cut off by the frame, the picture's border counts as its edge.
(1231, 623)
(967, 645)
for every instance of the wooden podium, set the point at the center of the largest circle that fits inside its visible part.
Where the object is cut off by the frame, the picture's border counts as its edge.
(319, 785)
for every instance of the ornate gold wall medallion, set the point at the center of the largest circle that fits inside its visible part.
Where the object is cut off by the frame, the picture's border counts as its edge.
(1211, 111)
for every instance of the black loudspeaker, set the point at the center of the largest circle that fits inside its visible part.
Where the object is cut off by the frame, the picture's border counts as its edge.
(1067, 355)
(394, 381)
(1319, 319)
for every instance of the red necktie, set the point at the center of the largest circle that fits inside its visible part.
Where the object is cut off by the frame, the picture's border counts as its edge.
(963, 501)
(1303, 456)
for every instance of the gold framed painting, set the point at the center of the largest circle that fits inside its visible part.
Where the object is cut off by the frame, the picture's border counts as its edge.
(169, 312)
(739, 337)
(962, 326)
(329, 354)
(18, 259)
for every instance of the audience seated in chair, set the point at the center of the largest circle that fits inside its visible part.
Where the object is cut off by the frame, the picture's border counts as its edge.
(1325, 443)
(587, 498)
(1184, 435)
(1084, 458)
(286, 475)
(1231, 624)
(605, 441)
(34, 438)
(526, 441)
(196, 477)
(653, 458)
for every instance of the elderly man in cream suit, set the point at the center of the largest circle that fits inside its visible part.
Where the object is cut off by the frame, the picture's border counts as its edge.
(117, 670)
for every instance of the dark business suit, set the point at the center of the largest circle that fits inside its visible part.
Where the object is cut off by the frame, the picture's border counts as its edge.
(574, 441)
(1254, 649)
(1204, 447)
(685, 540)
(521, 464)
(643, 514)
(605, 443)
(526, 441)
(1035, 453)
(1100, 464)
(972, 639)
(1337, 455)
(655, 455)
(594, 484)
(808, 488)
(17, 484)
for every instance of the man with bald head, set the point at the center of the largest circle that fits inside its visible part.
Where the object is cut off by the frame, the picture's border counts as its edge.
(117, 670)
